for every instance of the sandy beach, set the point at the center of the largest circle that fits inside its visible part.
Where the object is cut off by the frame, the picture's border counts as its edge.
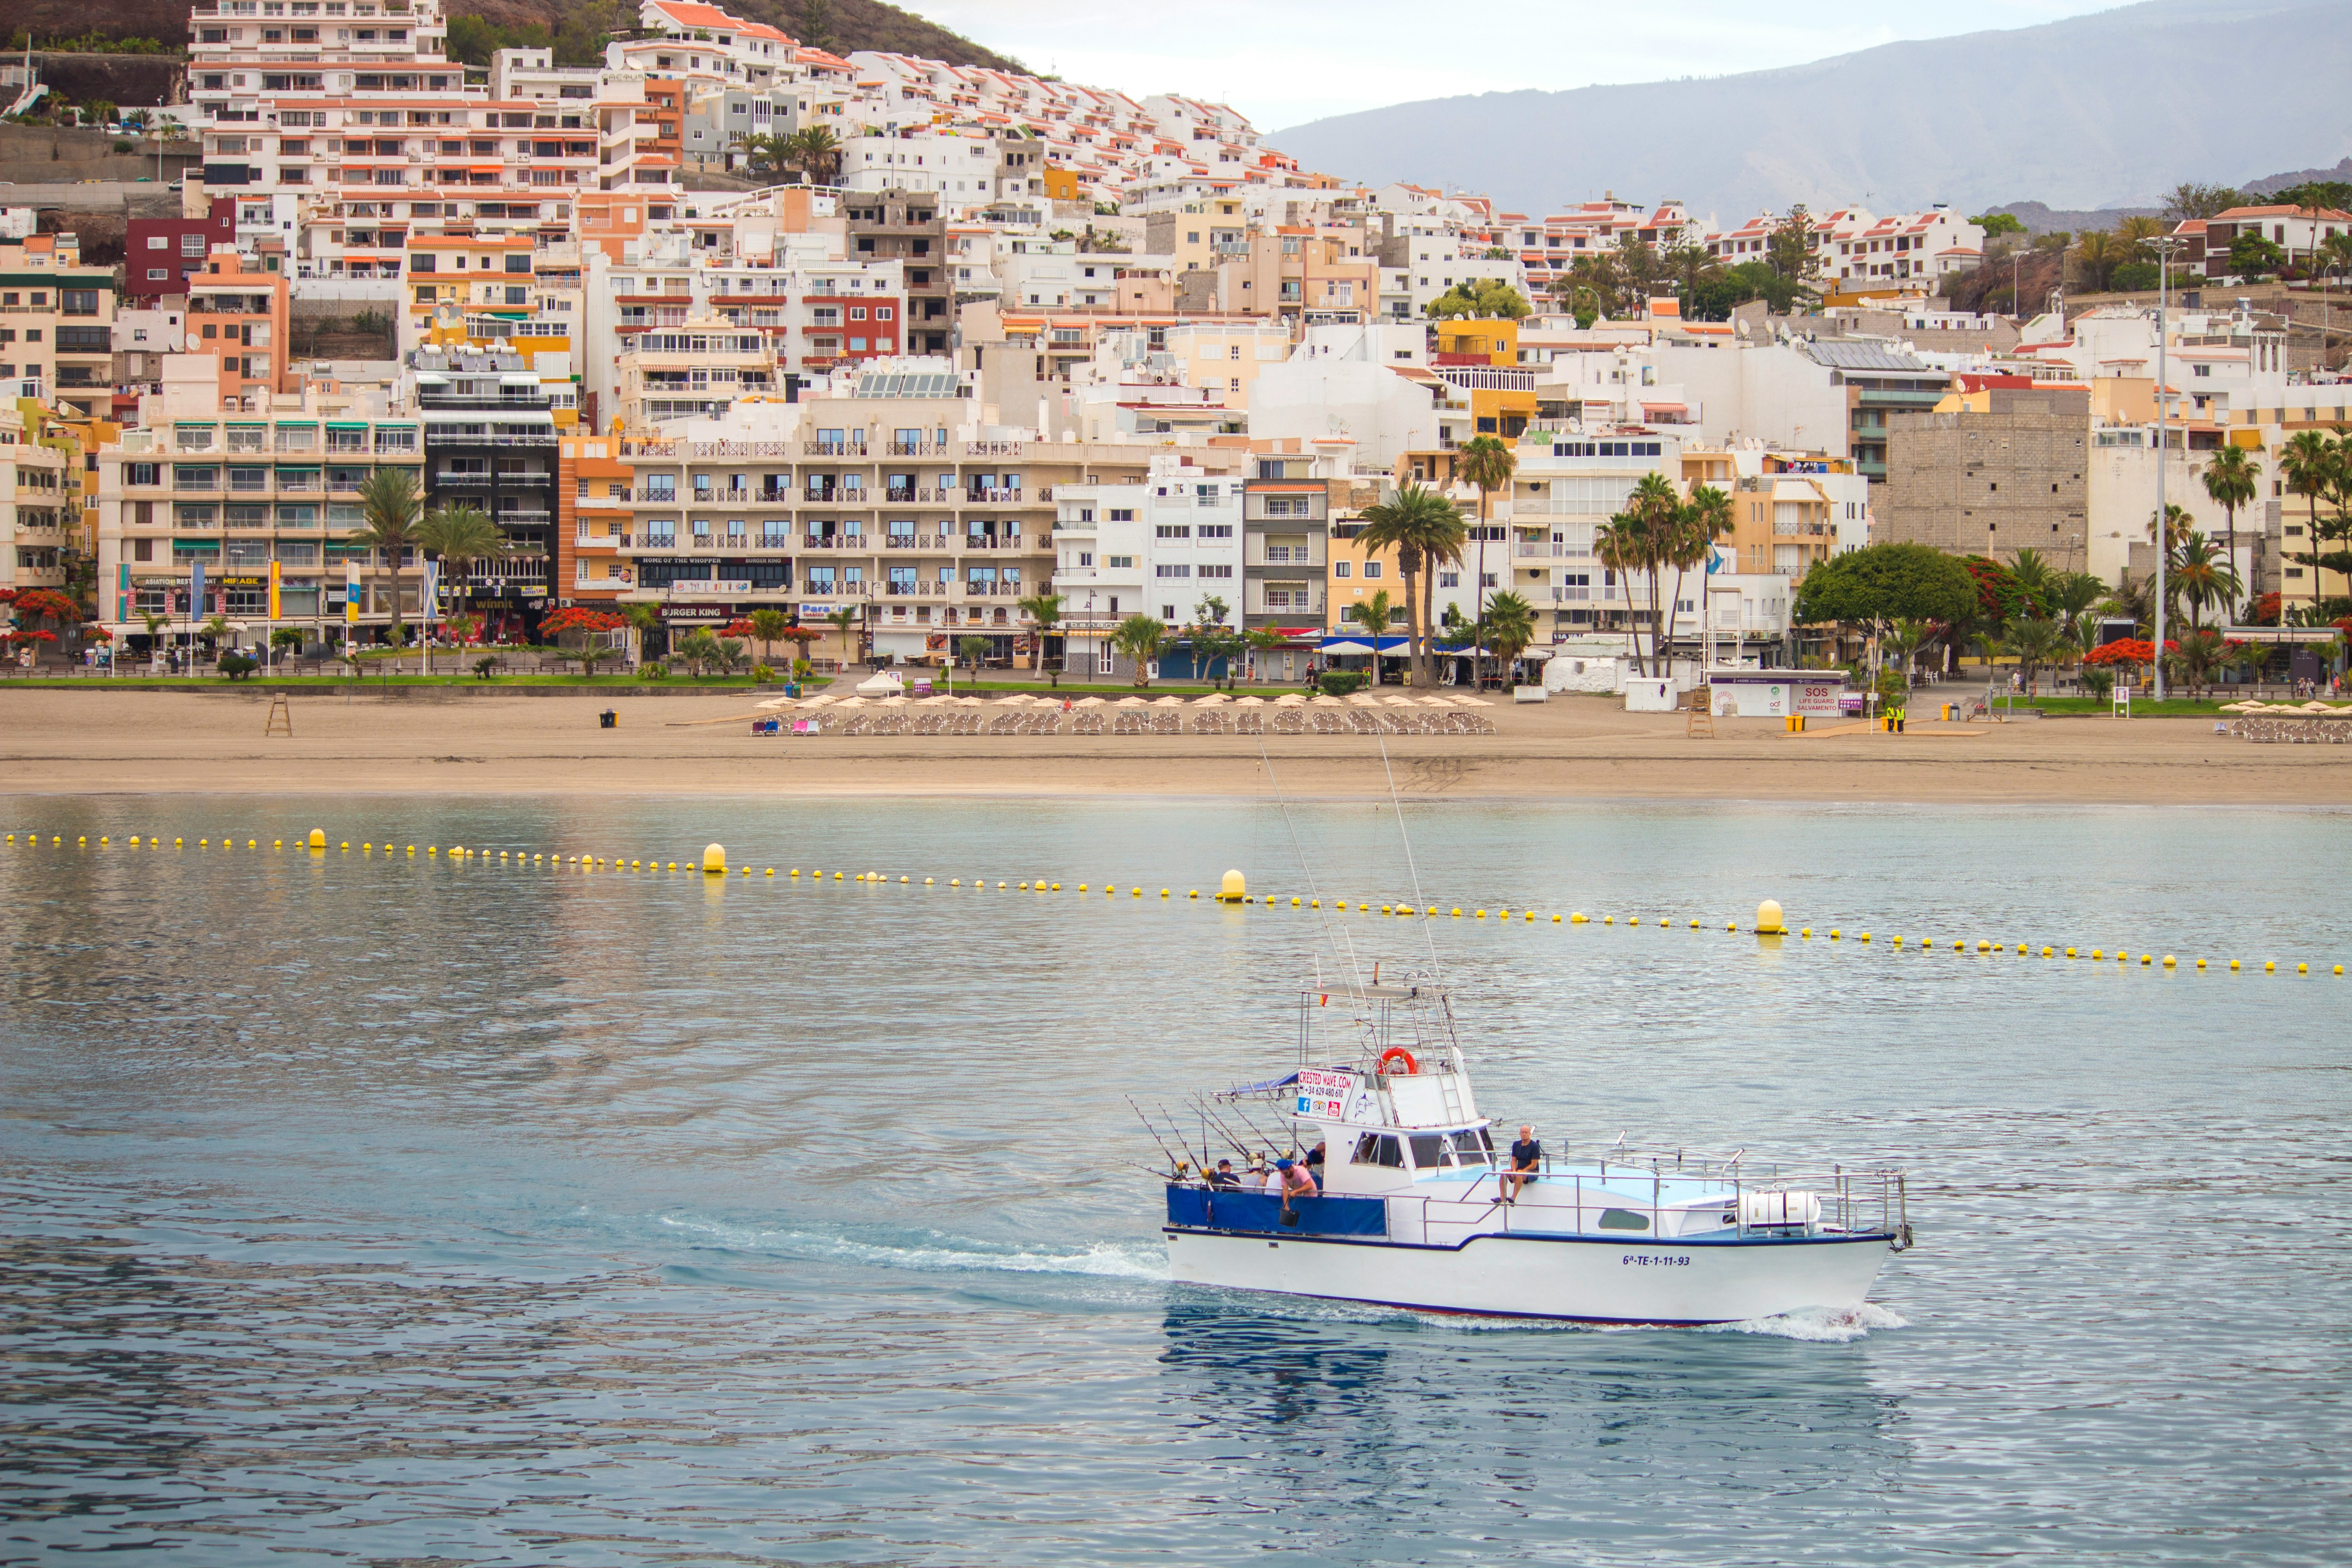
(489, 742)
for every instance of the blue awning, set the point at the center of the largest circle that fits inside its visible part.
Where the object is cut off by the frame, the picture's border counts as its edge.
(1267, 1088)
(1366, 645)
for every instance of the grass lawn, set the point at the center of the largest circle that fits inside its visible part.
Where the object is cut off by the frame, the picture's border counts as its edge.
(2170, 708)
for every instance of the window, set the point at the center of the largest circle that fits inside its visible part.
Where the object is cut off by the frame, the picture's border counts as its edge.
(1166, 570)
(1173, 530)
(1214, 530)
(1342, 569)
(1122, 514)
(1118, 563)
(1372, 568)
(1214, 572)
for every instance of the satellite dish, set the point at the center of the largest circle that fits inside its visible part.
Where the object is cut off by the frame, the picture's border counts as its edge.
(194, 343)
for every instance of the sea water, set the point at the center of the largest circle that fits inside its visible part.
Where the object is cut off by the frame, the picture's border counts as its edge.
(370, 1209)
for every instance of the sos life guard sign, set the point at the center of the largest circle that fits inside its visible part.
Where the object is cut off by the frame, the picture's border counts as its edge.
(1774, 693)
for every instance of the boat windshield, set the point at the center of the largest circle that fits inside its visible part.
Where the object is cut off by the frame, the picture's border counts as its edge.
(1469, 1147)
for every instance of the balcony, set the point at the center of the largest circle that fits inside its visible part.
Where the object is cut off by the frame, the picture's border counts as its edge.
(833, 449)
(454, 476)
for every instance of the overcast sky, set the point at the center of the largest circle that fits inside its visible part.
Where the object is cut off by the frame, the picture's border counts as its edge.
(1283, 62)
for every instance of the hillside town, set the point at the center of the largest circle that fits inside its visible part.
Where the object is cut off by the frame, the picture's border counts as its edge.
(953, 363)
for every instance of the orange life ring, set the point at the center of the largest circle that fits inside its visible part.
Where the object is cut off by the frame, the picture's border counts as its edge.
(1394, 1052)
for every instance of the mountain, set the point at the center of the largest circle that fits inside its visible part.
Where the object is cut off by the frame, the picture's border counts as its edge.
(847, 24)
(2107, 110)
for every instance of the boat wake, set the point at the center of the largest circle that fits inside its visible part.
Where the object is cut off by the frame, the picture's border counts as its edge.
(1821, 1325)
(934, 1251)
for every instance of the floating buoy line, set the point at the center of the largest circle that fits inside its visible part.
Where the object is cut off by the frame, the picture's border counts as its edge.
(1768, 924)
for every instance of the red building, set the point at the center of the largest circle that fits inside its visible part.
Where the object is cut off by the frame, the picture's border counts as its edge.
(163, 254)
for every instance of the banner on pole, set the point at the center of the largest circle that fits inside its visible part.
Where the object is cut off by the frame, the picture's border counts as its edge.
(196, 590)
(273, 590)
(427, 601)
(350, 594)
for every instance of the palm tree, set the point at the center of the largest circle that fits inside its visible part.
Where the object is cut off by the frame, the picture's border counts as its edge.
(2308, 466)
(390, 508)
(1046, 609)
(1621, 545)
(2198, 652)
(2177, 524)
(1511, 626)
(1902, 641)
(815, 152)
(1374, 614)
(1427, 531)
(2134, 233)
(845, 621)
(2134, 601)
(2230, 478)
(1141, 637)
(1488, 464)
(699, 648)
(2035, 641)
(2203, 576)
(644, 620)
(764, 153)
(1654, 502)
(2100, 253)
(768, 625)
(155, 625)
(2032, 572)
(973, 651)
(1696, 527)
(460, 536)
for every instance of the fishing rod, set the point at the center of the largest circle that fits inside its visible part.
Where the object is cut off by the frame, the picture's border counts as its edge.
(1175, 1163)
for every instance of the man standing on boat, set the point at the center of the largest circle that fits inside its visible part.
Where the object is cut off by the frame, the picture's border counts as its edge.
(1527, 1159)
(1293, 1180)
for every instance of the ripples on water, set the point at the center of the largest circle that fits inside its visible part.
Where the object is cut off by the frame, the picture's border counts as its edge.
(379, 1211)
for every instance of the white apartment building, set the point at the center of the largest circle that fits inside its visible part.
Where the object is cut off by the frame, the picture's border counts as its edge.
(1565, 489)
(959, 165)
(1160, 548)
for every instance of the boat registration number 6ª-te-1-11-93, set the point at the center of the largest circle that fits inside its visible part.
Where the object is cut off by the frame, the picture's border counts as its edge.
(1647, 1260)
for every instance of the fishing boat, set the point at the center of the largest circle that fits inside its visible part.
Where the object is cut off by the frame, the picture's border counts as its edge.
(1412, 1208)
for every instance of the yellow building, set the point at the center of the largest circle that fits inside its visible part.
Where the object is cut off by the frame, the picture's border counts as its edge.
(1479, 359)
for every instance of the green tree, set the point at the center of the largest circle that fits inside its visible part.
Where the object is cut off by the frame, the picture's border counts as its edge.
(1998, 224)
(816, 152)
(390, 512)
(816, 25)
(2198, 652)
(2098, 254)
(1426, 530)
(1658, 512)
(845, 621)
(2230, 479)
(460, 536)
(1480, 298)
(1883, 582)
(1487, 464)
(1624, 546)
(2191, 200)
(1213, 639)
(2252, 256)
(2202, 577)
(768, 625)
(1697, 526)
(2308, 465)
(699, 648)
(1141, 637)
(1046, 609)
(1510, 627)
(644, 620)
(1791, 251)
(2034, 641)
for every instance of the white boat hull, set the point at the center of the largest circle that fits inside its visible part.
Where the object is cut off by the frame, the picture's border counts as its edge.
(1581, 1278)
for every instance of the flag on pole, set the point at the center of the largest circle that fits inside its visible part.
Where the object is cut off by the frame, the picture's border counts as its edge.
(429, 600)
(123, 590)
(196, 590)
(273, 591)
(350, 594)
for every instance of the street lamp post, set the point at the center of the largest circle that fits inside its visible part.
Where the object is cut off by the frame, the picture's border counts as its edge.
(2164, 249)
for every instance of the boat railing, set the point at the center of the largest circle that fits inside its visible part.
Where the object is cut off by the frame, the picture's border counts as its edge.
(1853, 1201)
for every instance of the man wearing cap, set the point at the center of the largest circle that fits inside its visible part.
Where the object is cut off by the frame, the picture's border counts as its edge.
(1224, 1176)
(1294, 1182)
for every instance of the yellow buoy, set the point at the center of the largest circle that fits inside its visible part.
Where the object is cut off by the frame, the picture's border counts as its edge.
(747, 870)
(771, 872)
(1234, 889)
(1555, 919)
(1139, 893)
(1767, 918)
(1634, 920)
(836, 876)
(1578, 919)
(2299, 969)
(2200, 963)
(1000, 887)
(1694, 926)
(927, 881)
(1457, 914)
(1981, 946)
(1608, 919)
(1806, 933)
(1194, 894)
(2233, 965)
(1293, 900)
(1865, 935)
(955, 882)
(2096, 953)
(1481, 914)
(2167, 961)
(2045, 951)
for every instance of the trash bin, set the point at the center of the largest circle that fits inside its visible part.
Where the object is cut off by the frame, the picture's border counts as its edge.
(608, 720)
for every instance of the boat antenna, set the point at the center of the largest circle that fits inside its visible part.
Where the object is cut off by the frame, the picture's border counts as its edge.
(1436, 970)
(1340, 942)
